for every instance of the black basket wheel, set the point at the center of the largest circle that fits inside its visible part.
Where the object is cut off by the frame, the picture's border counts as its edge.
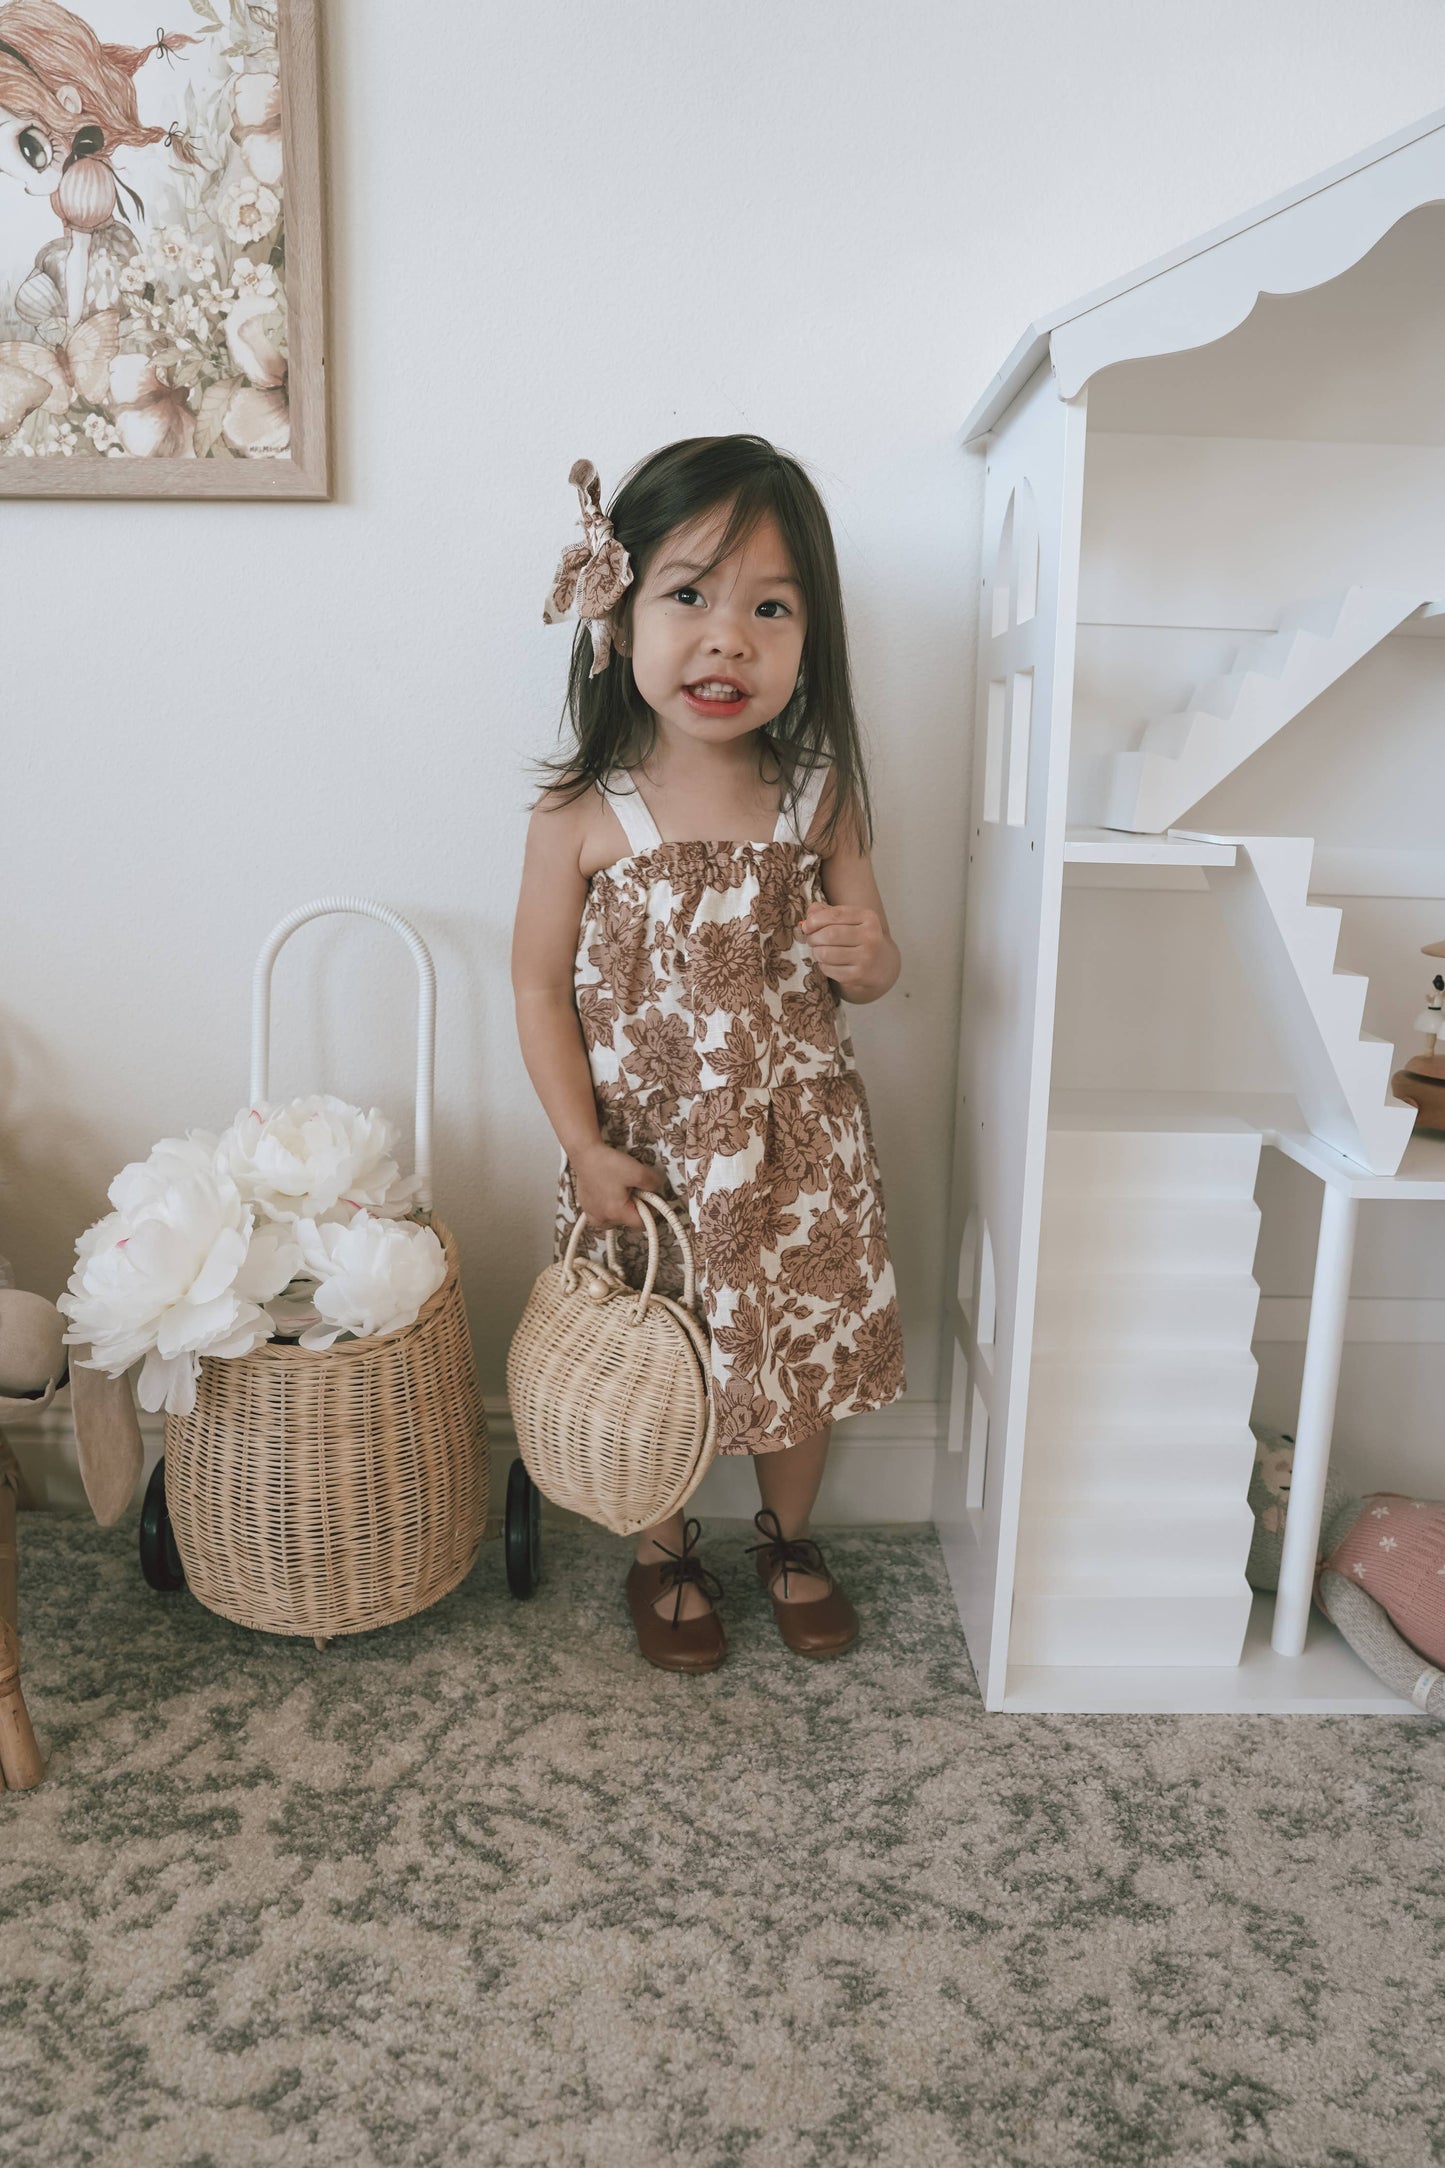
(160, 1561)
(522, 1532)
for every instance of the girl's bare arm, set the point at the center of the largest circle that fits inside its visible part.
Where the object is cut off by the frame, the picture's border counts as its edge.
(544, 948)
(849, 933)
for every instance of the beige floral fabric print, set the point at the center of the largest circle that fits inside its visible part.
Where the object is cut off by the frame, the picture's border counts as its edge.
(720, 1056)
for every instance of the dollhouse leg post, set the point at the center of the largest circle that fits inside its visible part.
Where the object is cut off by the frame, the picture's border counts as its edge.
(21, 1764)
(1324, 1344)
(9, 1486)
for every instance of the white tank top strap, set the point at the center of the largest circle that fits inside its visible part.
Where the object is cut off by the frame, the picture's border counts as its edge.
(793, 828)
(625, 799)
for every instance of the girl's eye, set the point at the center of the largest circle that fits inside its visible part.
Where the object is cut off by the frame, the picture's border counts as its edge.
(774, 604)
(34, 149)
(679, 592)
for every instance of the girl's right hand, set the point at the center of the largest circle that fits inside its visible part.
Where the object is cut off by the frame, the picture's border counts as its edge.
(604, 1180)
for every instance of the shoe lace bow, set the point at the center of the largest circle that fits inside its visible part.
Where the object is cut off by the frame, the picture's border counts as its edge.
(680, 1567)
(798, 1553)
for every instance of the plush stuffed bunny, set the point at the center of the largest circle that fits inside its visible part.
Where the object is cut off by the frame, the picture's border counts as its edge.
(1382, 1573)
(33, 1369)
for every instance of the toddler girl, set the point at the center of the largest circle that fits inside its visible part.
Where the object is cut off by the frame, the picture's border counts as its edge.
(697, 897)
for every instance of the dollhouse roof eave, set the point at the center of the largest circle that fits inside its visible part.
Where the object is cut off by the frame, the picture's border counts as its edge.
(1199, 292)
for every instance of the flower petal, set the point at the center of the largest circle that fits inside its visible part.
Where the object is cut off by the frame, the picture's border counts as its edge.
(168, 1384)
(258, 421)
(262, 156)
(225, 1259)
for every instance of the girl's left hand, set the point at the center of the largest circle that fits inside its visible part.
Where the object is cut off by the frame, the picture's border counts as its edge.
(848, 942)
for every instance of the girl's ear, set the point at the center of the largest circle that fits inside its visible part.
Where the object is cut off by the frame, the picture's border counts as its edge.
(69, 97)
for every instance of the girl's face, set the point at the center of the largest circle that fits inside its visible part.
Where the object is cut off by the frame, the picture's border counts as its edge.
(716, 654)
(27, 155)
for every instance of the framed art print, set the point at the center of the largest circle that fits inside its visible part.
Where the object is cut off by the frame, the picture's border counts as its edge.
(161, 278)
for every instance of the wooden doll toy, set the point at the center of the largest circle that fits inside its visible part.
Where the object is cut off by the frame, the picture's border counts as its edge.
(1421, 1083)
(33, 1369)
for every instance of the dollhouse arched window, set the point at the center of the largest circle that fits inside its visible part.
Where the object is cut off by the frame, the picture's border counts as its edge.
(977, 1280)
(987, 1292)
(977, 1466)
(1015, 575)
(1008, 724)
(968, 1265)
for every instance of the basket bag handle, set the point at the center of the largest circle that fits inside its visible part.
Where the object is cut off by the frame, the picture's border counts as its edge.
(426, 1016)
(651, 1203)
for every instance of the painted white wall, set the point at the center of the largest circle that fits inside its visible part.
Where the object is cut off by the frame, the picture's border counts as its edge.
(561, 232)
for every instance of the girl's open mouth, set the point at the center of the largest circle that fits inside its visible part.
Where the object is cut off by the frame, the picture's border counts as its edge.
(716, 696)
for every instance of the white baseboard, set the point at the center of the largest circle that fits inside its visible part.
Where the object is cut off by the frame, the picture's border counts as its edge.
(879, 1472)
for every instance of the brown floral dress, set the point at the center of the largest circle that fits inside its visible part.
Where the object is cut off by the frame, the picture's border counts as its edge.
(720, 1055)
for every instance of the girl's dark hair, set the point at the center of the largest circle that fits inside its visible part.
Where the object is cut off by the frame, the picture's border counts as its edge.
(610, 723)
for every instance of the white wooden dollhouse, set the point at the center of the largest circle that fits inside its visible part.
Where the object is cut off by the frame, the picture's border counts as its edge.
(1211, 688)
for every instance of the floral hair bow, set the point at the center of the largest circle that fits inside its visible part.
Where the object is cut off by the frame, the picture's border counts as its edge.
(591, 574)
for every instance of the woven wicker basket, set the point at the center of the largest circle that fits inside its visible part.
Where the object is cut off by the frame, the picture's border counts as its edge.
(609, 1385)
(326, 1491)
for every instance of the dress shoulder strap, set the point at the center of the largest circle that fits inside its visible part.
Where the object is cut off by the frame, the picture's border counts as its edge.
(626, 801)
(793, 828)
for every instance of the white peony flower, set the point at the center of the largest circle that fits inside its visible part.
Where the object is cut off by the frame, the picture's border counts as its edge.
(316, 1159)
(373, 1274)
(140, 1189)
(177, 1271)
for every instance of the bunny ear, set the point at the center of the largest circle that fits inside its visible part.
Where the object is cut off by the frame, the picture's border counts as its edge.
(107, 1439)
(582, 475)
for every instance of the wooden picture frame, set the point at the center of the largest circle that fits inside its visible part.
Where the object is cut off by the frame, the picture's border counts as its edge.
(218, 273)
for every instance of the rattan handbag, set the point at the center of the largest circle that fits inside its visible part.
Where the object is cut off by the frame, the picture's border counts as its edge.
(325, 1491)
(609, 1385)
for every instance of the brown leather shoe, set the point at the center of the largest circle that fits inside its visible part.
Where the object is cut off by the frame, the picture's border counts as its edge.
(824, 1627)
(676, 1644)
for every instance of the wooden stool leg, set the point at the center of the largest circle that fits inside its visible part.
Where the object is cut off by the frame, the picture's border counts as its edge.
(9, 1609)
(20, 1761)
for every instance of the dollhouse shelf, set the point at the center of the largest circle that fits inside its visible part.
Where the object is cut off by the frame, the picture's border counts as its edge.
(1115, 847)
(1419, 1179)
(1328, 1679)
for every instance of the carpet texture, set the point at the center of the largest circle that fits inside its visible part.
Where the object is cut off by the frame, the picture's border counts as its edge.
(485, 1888)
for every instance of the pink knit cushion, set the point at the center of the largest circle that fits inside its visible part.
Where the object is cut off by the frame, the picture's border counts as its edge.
(1395, 1551)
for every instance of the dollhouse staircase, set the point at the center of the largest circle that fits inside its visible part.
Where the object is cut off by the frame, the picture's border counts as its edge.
(1182, 757)
(1339, 1074)
(1134, 1523)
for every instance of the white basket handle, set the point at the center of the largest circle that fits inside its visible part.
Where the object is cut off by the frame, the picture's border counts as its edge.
(426, 1014)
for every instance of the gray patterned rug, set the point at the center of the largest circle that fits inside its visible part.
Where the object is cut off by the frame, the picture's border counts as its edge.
(485, 1888)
